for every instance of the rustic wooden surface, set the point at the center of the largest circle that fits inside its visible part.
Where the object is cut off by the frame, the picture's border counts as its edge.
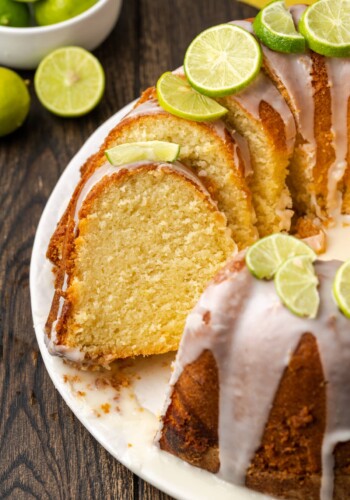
(44, 450)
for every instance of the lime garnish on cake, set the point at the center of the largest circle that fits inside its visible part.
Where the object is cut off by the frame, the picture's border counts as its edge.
(274, 26)
(266, 255)
(296, 284)
(140, 151)
(341, 288)
(222, 60)
(176, 96)
(70, 81)
(326, 27)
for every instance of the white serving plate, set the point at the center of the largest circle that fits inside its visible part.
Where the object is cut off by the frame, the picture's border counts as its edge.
(124, 420)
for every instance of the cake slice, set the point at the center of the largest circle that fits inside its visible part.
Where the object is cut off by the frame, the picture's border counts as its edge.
(144, 241)
(207, 148)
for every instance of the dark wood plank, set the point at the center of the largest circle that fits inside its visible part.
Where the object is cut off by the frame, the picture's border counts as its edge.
(45, 452)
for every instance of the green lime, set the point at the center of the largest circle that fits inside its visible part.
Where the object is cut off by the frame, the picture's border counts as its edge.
(222, 60)
(296, 284)
(14, 101)
(274, 26)
(176, 96)
(266, 255)
(56, 11)
(326, 27)
(69, 82)
(139, 151)
(14, 14)
(341, 288)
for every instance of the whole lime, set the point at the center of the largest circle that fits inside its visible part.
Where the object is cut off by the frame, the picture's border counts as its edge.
(14, 14)
(55, 11)
(14, 101)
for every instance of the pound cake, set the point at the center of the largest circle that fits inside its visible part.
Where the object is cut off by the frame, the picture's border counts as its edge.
(147, 238)
(259, 396)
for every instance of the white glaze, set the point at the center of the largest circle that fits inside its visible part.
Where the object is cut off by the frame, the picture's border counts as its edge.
(246, 332)
(149, 107)
(339, 80)
(242, 145)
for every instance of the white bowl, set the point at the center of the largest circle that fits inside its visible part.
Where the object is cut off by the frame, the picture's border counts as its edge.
(24, 48)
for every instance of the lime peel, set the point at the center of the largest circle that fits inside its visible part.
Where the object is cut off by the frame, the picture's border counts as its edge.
(140, 151)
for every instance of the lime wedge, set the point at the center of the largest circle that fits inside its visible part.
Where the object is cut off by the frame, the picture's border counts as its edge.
(266, 255)
(222, 60)
(176, 96)
(326, 27)
(69, 82)
(274, 26)
(296, 284)
(341, 288)
(139, 151)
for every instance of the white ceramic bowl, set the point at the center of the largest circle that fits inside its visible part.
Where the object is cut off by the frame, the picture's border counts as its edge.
(24, 48)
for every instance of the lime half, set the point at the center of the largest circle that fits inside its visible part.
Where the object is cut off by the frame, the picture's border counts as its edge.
(341, 288)
(296, 284)
(70, 82)
(326, 27)
(222, 60)
(274, 26)
(139, 151)
(176, 96)
(266, 255)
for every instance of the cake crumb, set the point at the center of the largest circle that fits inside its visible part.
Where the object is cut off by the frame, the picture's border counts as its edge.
(106, 407)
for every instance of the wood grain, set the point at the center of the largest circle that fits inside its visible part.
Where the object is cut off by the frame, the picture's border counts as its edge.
(45, 452)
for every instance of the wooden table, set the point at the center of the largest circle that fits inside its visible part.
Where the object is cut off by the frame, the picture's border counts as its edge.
(45, 452)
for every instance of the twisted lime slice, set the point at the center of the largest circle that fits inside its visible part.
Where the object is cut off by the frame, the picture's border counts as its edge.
(326, 27)
(69, 82)
(176, 96)
(266, 255)
(341, 288)
(296, 284)
(222, 60)
(274, 26)
(139, 151)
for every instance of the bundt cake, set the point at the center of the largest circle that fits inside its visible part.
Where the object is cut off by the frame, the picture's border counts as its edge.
(146, 238)
(260, 396)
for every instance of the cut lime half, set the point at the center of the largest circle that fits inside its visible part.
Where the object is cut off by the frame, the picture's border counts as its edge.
(326, 27)
(266, 255)
(69, 82)
(341, 288)
(141, 151)
(222, 60)
(296, 284)
(274, 26)
(176, 96)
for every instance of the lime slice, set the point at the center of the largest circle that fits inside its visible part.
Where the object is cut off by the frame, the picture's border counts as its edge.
(14, 101)
(14, 14)
(139, 151)
(177, 97)
(326, 27)
(296, 284)
(274, 26)
(266, 255)
(70, 82)
(222, 60)
(341, 288)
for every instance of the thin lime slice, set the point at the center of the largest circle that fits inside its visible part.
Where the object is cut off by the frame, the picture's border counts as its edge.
(296, 284)
(266, 255)
(222, 60)
(326, 27)
(274, 26)
(140, 151)
(176, 96)
(341, 288)
(70, 82)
